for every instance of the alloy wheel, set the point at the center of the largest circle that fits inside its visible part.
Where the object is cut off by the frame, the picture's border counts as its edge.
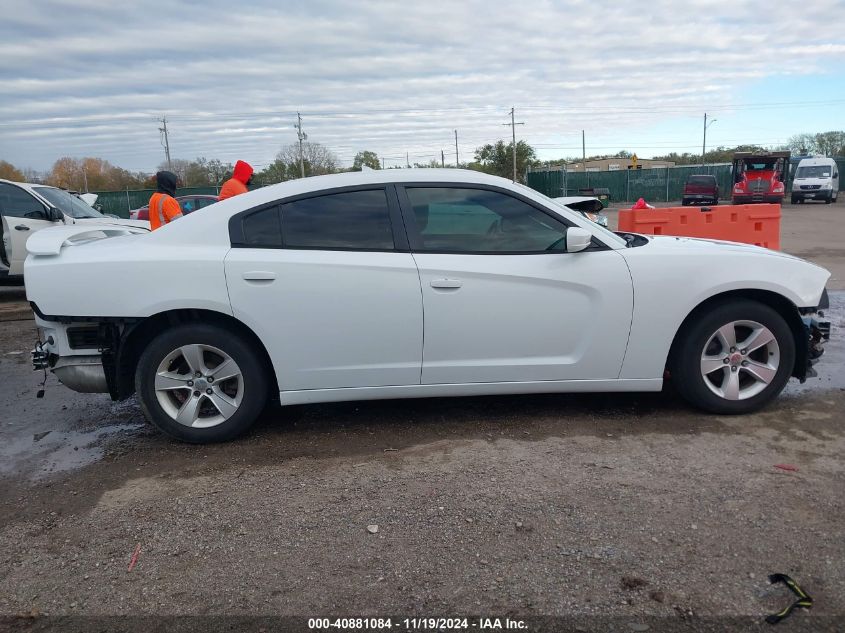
(740, 360)
(199, 386)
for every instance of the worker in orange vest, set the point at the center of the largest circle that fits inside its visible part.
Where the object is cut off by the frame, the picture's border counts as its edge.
(163, 206)
(236, 185)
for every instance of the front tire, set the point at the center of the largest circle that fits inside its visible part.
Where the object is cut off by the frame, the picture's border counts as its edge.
(734, 358)
(201, 383)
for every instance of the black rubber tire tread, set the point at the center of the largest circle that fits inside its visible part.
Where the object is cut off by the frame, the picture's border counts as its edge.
(256, 384)
(685, 365)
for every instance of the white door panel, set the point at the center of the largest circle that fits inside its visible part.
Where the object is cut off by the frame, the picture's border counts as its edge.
(16, 232)
(496, 318)
(331, 319)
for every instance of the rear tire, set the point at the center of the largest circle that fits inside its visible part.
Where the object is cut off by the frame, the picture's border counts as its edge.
(180, 393)
(685, 203)
(794, 200)
(711, 377)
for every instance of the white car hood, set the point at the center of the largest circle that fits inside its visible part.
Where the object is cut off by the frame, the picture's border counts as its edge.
(700, 245)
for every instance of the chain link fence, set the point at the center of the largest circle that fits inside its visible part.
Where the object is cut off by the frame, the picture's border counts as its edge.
(657, 185)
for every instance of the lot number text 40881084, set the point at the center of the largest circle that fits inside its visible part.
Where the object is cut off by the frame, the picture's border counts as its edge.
(416, 624)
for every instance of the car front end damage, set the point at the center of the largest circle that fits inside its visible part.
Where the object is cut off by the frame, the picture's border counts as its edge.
(817, 334)
(80, 352)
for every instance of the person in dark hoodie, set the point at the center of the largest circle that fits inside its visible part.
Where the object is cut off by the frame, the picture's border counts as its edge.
(236, 185)
(163, 206)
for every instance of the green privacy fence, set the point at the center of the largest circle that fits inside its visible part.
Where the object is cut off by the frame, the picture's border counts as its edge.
(662, 184)
(121, 202)
(657, 185)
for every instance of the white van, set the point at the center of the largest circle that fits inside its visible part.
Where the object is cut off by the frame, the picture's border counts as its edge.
(816, 179)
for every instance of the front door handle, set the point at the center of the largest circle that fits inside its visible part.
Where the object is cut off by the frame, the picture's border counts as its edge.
(21, 227)
(259, 275)
(448, 284)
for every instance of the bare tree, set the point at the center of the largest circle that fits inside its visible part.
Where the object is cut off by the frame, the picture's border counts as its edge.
(318, 159)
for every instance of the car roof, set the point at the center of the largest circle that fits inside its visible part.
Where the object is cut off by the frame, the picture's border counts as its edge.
(317, 184)
(816, 160)
(205, 228)
(27, 185)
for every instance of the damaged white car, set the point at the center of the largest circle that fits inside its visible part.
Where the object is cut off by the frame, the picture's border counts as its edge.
(405, 284)
(26, 208)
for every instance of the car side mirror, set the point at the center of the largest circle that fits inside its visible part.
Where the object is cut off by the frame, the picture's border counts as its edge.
(55, 215)
(577, 239)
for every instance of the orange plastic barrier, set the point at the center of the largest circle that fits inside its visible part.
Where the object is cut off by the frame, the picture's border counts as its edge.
(757, 224)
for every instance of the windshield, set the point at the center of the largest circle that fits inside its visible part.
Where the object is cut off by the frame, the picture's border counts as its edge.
(702, 180)
(67, 204)
(759, 165)
(813, 171)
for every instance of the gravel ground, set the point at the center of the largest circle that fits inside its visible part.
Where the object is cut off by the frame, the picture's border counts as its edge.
(631, 507)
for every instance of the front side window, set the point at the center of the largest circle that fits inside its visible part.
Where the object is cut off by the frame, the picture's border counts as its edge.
(464, 220)
(355, 220)
(17, 203)
(201, 203)
(187, 205)
(68, 204)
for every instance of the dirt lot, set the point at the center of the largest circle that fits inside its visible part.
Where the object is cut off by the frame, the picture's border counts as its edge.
(632, 507)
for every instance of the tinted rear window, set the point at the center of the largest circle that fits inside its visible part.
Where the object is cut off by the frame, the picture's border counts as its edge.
(262, 229)
(702, 180)
(358, 220)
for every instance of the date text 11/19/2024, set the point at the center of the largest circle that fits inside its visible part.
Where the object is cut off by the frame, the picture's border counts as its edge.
(415, 624)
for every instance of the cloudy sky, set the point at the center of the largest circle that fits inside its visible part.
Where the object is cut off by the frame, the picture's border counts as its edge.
(91, 78)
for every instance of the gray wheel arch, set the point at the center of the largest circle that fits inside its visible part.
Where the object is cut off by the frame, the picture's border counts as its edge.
(779, 303)
(126, 350)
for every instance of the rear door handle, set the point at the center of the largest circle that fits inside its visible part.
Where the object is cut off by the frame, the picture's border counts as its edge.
(450, 284)
(259, 275)
(21, 227)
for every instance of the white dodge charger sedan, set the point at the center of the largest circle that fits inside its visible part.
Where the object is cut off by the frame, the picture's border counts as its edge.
(410, 283)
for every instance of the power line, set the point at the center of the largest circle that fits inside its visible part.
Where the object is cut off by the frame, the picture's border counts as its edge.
(680, 108)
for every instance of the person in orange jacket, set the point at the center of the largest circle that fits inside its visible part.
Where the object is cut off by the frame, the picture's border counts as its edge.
(163, 206)
(236, 185)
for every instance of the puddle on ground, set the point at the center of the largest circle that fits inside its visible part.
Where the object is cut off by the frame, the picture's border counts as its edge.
(41, 454)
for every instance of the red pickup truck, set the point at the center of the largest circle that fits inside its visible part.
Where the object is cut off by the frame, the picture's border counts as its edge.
(700, 188)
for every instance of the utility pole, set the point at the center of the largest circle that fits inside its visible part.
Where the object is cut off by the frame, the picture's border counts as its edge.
(704, 139)
(584, 149)
(513, 125)
(442, 159)
(85, 177)
(302, 136)
(163, 130)
(407, 161)
(457, 162)
(382, 163)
